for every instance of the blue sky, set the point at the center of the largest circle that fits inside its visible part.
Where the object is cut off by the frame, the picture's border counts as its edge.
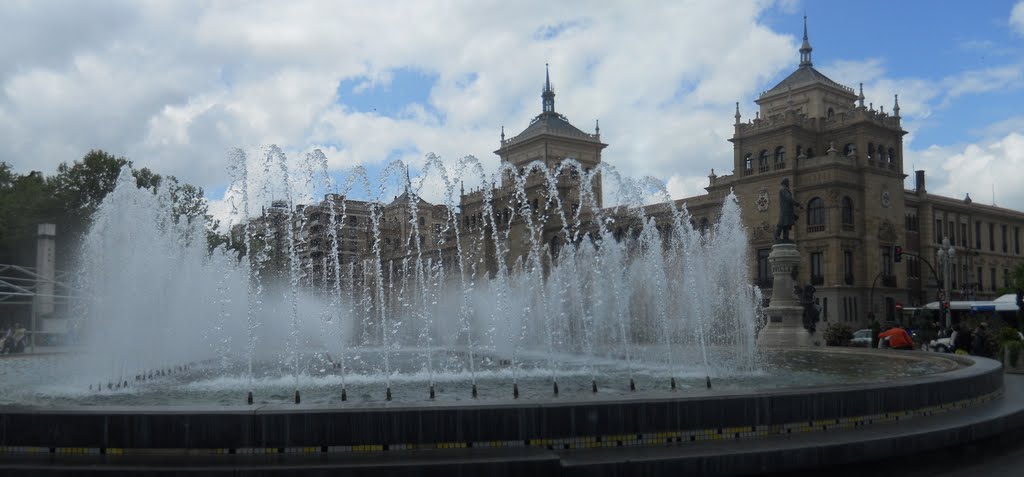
(175, 85)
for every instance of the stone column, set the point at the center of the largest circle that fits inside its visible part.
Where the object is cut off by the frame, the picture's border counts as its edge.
(785, 315)
(46, 268)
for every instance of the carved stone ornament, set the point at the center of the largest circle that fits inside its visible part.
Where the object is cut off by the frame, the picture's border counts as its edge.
(833, 197)
(887, 232)
(886, 197)
(763, 231)
(762, 200)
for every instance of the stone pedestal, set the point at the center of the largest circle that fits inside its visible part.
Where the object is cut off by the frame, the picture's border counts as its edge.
(785, 315)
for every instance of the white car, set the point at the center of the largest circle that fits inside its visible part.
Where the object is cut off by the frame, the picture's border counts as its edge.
(861, 338)
(941, 345)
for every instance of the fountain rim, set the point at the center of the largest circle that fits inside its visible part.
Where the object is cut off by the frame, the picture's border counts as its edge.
(959, 367)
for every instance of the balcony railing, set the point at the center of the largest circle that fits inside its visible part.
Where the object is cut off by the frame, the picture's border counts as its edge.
(816, 228)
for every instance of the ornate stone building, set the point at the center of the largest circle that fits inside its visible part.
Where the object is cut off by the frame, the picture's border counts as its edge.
(844, 160)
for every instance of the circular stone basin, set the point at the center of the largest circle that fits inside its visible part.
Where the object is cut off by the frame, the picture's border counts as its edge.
(42, 381)
(907, 384)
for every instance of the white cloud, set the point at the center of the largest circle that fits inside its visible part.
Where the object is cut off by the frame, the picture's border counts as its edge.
(975, 169)
(1017, 18)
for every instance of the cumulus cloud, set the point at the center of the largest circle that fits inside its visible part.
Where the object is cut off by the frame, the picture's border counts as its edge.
(1017, 18)
(977, 169)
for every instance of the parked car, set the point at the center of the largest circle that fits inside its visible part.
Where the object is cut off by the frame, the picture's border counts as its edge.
(861, 338)
(941, 345)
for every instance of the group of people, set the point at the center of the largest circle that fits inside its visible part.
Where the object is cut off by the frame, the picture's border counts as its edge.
(13, 339)
(978, 341)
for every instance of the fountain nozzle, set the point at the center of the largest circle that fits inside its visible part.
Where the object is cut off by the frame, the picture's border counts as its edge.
(474, 390)
(344, 395)
(297, 398)
(431, 391)
(388, 395)
(555, 385)
(515, 390)
(673, 383)
(632, 385)
(248, 398)
(709, 382)
(593, 385)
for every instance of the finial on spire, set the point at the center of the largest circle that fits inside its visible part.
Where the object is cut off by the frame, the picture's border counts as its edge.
(860, 98)
(896, 107)
(597, 127)
(805, 49)
(548, 96)
(408, 181)
(502, 133)
(737, 116)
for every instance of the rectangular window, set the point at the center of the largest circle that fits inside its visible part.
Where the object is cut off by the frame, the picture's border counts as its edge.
(992, 236)
(1005, 243)
(977, 235)
(992, 279)
(981, 286)
(764, 273)
(938, 230)
(848, 267)
(886, 261)
(1016, 240)
(817, 273)
(952, 233)
(963, 235)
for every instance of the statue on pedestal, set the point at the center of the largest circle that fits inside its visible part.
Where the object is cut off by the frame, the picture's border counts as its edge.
(787, 213)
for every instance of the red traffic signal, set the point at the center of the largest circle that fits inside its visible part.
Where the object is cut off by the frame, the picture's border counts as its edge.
(897, 253)
(945, 305)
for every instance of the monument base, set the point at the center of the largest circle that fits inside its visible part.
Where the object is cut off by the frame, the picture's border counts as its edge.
(785, 329)
(785, 325)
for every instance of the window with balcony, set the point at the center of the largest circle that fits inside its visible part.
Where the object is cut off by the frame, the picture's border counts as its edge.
(748, 164)
(780, 157)
(1006, 246)
(952, 233)
(938, 230)
(816, 215)
(762, 161)
(992, 237)
(977, 235)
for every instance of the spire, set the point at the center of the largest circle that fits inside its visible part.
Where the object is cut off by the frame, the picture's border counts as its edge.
(896, 107)
(737, 116)
(502, 133)
(408, 182)
(805, 49)
(860, 97)
(597, 127)
(548, 96)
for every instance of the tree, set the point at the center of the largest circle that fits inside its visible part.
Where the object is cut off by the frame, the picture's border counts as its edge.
(25, 202)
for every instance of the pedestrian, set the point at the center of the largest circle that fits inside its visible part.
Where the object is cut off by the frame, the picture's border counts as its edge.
(981, 342)
(897, 337)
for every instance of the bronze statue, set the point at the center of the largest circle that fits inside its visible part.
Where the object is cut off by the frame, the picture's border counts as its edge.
(787, 213)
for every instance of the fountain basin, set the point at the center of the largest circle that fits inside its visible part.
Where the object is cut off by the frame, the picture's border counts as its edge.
(651, 417)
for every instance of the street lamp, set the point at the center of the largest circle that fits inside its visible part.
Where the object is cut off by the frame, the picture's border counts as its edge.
(945, 256)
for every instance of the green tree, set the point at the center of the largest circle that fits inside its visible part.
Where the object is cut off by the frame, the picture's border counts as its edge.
(25, 202)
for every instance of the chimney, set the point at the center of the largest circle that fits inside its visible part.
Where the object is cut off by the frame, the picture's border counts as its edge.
(919, 179)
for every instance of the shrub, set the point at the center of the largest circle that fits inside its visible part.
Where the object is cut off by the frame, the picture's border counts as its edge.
(838, 334)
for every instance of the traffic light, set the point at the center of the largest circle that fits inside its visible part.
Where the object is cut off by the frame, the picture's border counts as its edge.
(945, 306)
(897, 253)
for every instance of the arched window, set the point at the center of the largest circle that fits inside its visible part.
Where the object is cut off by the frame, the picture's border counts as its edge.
(849, 149)
(780, 157)
(871, 150)
(831, 113)
(423, 221)
(816, 215)
(847, 212)
(762, 161)
(892, 156)
(556, 244)
(748, 164)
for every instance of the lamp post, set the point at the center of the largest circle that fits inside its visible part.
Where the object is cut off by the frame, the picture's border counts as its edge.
(945, 256)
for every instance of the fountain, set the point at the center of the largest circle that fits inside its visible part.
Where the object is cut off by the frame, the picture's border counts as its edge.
(357, 323)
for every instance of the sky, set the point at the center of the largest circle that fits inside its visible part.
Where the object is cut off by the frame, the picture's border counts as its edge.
(176, 85)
